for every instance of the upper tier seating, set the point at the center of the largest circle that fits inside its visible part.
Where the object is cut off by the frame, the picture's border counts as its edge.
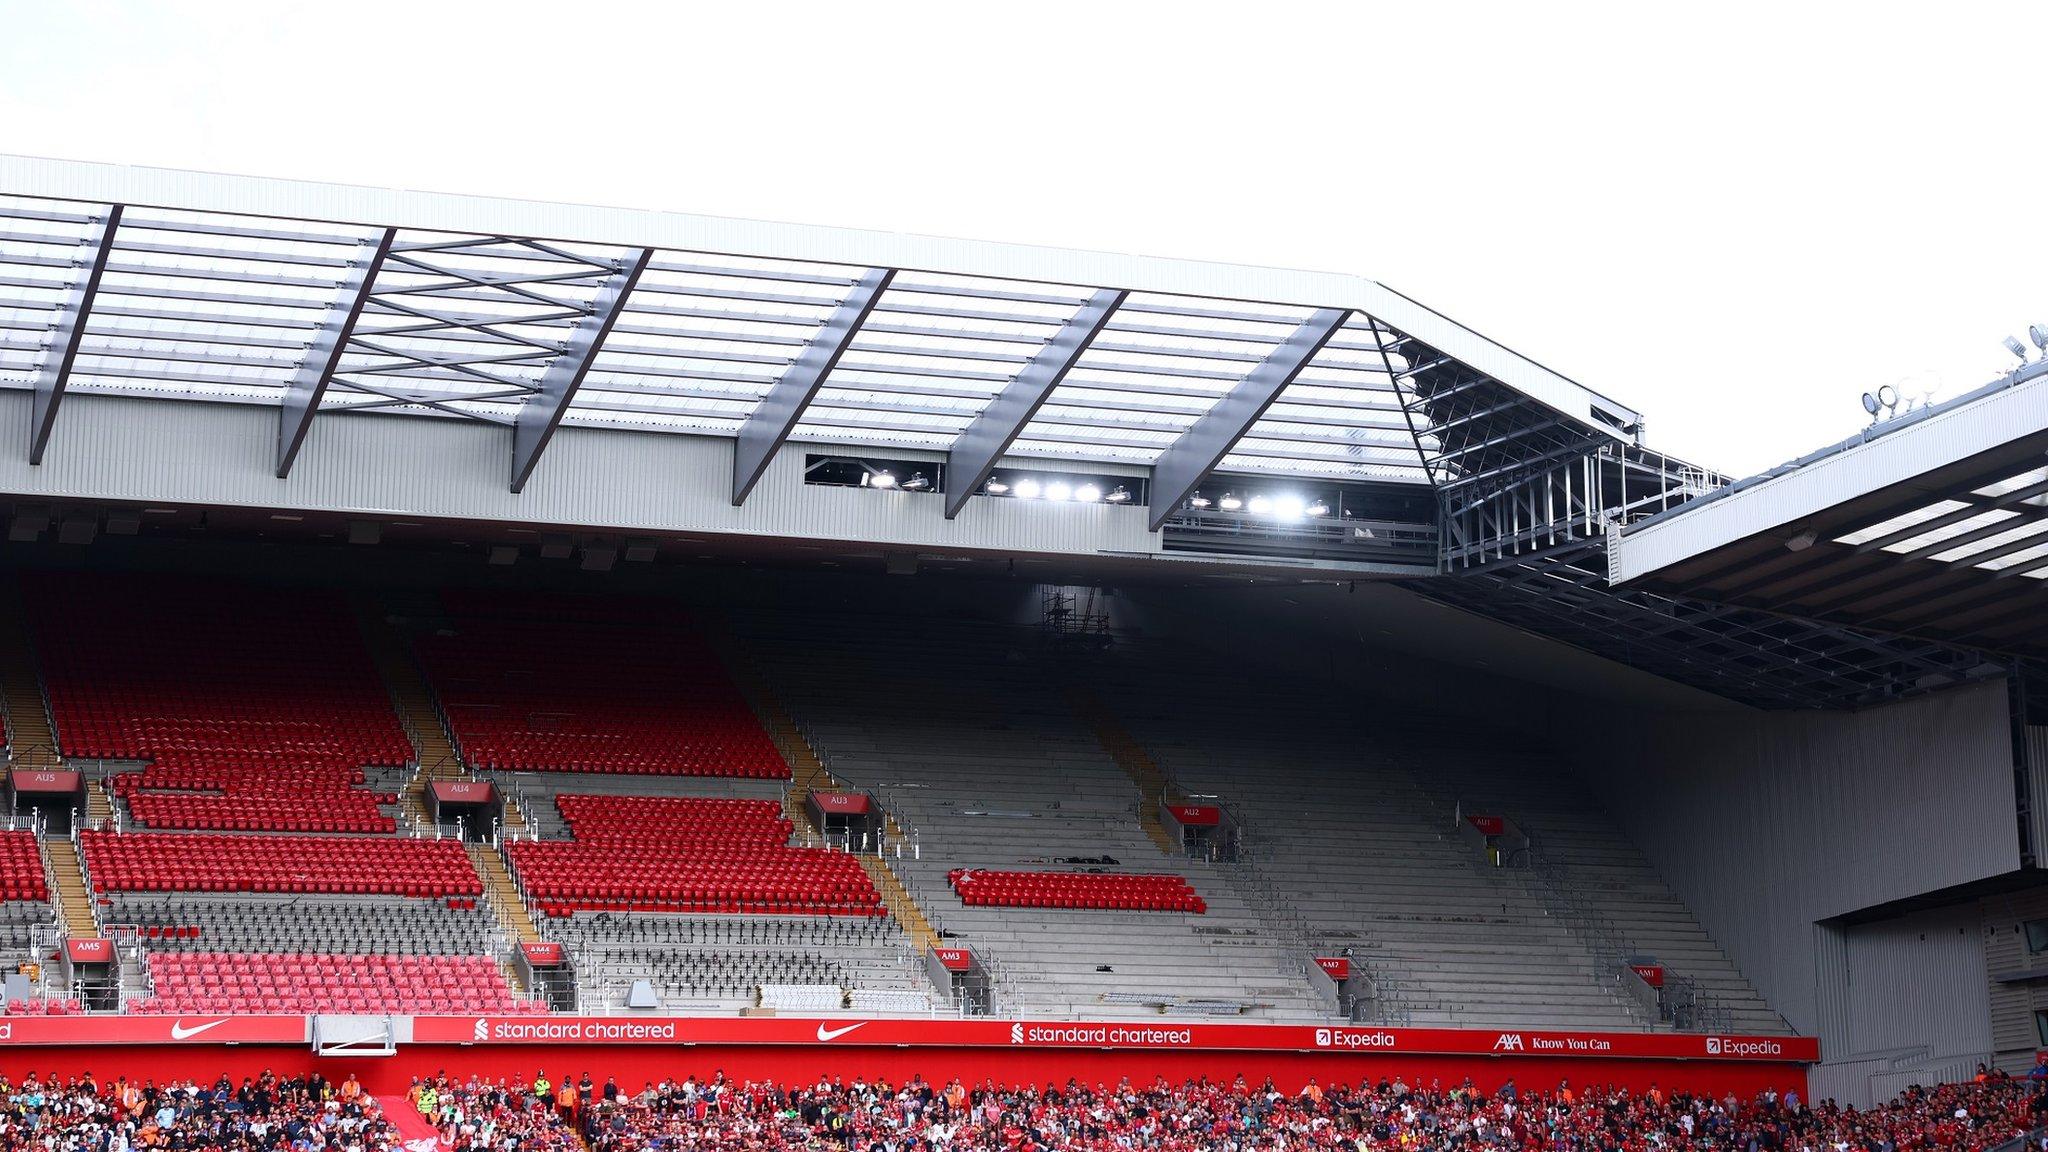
(535, 684)
(1122, 893)
(255, 707)
(183, 862)
(1349, 815)
(686, 854)
(216, 982)
(974, 747)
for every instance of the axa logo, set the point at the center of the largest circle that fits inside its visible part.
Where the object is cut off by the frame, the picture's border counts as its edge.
(482, 1031)
(180, 1032)
(1016, 1033)
(1509, 1042)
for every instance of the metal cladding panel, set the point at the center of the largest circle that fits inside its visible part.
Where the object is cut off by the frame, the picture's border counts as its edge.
(1895, 457)
(2037, 789)
(119, 449)
(1917, 980)
(1768, 822)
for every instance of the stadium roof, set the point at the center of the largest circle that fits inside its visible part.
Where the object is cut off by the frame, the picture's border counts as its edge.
(1933, 525)
(328, 299)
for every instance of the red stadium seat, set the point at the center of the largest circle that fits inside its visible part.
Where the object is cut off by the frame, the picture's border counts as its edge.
(1089, 890)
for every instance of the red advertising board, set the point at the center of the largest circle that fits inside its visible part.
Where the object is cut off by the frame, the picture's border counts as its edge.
(542, 953)
(60, 782)
(1336, 967)
(1197, 815)
(58, 1030)
(1067, 1034)
(1488, 825)
(462, 791)
(1652, 974)
(89, 949)
(842, 803)
(954, 959)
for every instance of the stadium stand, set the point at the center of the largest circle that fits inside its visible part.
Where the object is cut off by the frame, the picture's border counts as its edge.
(578, 684)
(978, 754)
(1349, 833)
(248, 707)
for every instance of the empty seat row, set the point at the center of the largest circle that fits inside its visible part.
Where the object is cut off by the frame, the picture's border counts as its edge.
(303, 982)
(1098, 890)
(209, 862)
(527, 685)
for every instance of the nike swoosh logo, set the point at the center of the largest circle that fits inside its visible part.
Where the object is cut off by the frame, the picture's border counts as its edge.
(825, 1033)
(180, 1032)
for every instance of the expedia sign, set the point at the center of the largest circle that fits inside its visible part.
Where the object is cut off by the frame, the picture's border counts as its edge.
(1355, 1038)
(1748, 1047)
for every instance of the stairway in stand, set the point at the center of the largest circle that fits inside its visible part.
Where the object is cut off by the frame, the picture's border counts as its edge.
(73, 896)
(31, 743)
(414, 702)
(1153, 786)
(808, 774)
(503, 895)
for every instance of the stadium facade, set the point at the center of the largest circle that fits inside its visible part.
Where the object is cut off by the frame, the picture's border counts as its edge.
(1032, 549)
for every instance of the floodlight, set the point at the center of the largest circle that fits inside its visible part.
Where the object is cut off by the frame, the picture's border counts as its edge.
(1027, 489)
(995, 488)
(2018, 349)
(2038, 333)
(1119, 495)
(1317, 507)
(1230, 502)
(1199, 501)
(918, 482)
(1888, 396)
(1870, 403)
(1087, 494)
(1290, 509)
(1261, 505)
(880, 479)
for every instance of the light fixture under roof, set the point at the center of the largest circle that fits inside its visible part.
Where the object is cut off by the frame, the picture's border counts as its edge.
(2018, 349)
(1087, 494)
(1118, 495)
(995, 488)
(1230, 502)
(918, 482)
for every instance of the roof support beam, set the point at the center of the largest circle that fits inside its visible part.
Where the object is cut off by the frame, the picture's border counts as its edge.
(541, 413)
(323, 356)
(1191, 457)
(72, 312)
(978, 447)
(778, 411)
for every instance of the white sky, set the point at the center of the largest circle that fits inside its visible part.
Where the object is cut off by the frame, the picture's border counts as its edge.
(1735, 219)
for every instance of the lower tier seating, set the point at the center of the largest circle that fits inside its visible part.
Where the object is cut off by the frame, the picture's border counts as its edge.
(1104, 891)
(21, 868)
(184, 862)
(308, 982)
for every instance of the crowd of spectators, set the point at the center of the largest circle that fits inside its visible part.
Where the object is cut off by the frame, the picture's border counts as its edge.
(269, 1114)
(716, 1115)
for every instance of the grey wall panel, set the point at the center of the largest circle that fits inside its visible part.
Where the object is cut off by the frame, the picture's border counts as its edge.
(1766, 823)
(1920, 980)
(2037, 789)
(143, 451)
